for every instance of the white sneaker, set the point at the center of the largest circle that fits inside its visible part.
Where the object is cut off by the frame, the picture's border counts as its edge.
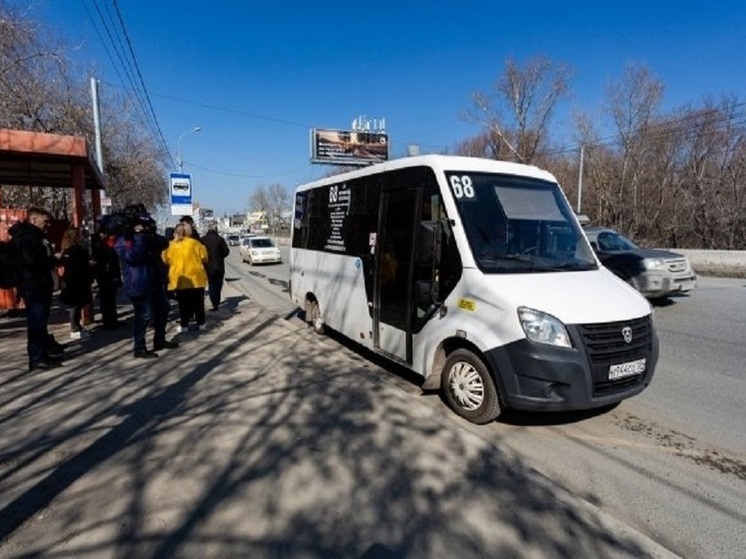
(183, 329)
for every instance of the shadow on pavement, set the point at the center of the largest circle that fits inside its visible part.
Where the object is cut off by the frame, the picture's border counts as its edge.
(260, 439)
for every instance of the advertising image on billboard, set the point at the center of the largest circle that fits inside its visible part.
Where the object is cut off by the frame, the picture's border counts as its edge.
(343, 147)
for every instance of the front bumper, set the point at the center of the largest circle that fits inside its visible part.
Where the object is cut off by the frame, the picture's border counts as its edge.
(539, 377)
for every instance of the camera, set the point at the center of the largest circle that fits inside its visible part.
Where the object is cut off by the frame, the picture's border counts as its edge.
(123, 223)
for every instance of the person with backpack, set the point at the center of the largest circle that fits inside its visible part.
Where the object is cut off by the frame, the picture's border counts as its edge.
(36, 265)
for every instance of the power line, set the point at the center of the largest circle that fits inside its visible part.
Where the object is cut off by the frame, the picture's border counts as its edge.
(139, 74)
(125, 59)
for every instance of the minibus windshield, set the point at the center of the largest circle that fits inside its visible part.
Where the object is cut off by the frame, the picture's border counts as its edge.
(518, 224)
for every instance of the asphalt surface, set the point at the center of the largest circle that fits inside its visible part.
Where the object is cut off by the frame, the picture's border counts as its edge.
(257, 438)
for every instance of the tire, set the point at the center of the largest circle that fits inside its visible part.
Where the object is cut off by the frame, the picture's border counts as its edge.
(468, 387)
(314, 318)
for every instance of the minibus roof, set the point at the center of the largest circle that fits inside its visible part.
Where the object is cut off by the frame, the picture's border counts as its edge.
(440, 163)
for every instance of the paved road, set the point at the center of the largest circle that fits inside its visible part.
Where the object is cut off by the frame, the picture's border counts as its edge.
(256, 438)
(670, 462)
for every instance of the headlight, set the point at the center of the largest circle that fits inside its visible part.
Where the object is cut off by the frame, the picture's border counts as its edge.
(543, 328)
(653, 264)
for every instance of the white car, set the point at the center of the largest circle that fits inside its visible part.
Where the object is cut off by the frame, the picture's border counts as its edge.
(260, 250)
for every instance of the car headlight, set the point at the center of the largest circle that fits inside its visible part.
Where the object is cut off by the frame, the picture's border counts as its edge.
(653, 264)
(543, 328)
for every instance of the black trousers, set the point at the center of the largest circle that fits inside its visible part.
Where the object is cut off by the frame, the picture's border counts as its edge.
(215, 288)
(107, 295)
(191, 303)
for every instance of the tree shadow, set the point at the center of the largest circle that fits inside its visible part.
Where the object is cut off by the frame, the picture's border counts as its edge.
(261, 439)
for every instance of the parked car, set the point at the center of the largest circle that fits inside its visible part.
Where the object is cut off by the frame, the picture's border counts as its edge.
(655, 273)
(233, 240)
(259, 250)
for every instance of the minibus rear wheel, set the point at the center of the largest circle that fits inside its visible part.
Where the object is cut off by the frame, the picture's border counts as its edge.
(468, 387)
(314, 318)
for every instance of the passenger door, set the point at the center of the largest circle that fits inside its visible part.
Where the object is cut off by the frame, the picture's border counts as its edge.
(392, 316)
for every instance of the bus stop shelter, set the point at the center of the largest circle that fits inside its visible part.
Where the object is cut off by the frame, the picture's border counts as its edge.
(53, 160)
(37, 159)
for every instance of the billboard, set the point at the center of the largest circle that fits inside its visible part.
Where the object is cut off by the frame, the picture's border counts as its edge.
(347, 147)
(181, 193)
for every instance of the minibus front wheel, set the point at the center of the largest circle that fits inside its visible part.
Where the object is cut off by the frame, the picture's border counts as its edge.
(468, 387)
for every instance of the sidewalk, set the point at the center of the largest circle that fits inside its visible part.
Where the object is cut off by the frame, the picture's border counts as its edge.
(258, 438)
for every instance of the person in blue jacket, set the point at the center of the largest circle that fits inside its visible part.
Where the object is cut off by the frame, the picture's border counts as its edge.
(139, 253)
(137, 282)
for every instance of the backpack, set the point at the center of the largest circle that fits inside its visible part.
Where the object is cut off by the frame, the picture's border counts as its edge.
(10, 269)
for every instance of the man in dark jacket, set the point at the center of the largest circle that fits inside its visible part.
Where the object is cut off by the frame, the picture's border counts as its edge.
(37, 263)
(217, 251)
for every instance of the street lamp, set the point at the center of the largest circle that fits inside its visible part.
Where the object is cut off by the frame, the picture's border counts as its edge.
(178, 147)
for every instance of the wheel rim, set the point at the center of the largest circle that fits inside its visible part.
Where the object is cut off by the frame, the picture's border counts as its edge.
(466, 386)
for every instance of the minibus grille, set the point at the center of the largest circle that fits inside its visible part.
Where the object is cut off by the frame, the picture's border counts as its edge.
(605, 345)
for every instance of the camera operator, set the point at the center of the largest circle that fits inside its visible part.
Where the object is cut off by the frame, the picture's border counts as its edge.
(139, 248)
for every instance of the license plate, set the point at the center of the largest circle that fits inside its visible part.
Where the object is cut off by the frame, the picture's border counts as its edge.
(627, 369)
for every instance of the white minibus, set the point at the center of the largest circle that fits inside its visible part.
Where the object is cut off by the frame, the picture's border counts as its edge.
(475, 274)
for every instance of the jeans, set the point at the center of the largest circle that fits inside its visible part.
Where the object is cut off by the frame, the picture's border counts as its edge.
(38, 305)
(142, 307)
(215, 288)
(161, 308)
(76, 313)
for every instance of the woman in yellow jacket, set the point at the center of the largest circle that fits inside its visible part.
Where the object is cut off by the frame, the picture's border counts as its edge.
(187, 278)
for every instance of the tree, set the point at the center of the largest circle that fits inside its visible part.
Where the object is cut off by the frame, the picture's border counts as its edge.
(39, 91)
(274, 200)
(518, 111)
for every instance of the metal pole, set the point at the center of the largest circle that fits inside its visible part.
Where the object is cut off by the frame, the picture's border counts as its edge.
(99, 150)
(179, 161)
(580, 178)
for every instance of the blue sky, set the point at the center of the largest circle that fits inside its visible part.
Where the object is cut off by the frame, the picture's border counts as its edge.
(256, 79)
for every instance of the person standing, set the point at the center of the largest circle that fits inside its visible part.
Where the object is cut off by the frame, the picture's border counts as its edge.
(108, 274)
(217, 251)
(77, 277)
(159, 299)
(186, 258)
(37, 264)
(134, 251)
(190, 221)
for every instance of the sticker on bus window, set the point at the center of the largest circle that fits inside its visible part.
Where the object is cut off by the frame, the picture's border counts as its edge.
(462, 187)
(467, 304)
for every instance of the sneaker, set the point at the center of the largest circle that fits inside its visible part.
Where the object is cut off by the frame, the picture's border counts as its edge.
(165, 345)
(183, 329)
(76, 335)
(145, 354)
(201, 327)
(45, 364)
(54, 352)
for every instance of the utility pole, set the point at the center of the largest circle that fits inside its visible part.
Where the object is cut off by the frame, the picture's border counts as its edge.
(97, 131)
(580, 178)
